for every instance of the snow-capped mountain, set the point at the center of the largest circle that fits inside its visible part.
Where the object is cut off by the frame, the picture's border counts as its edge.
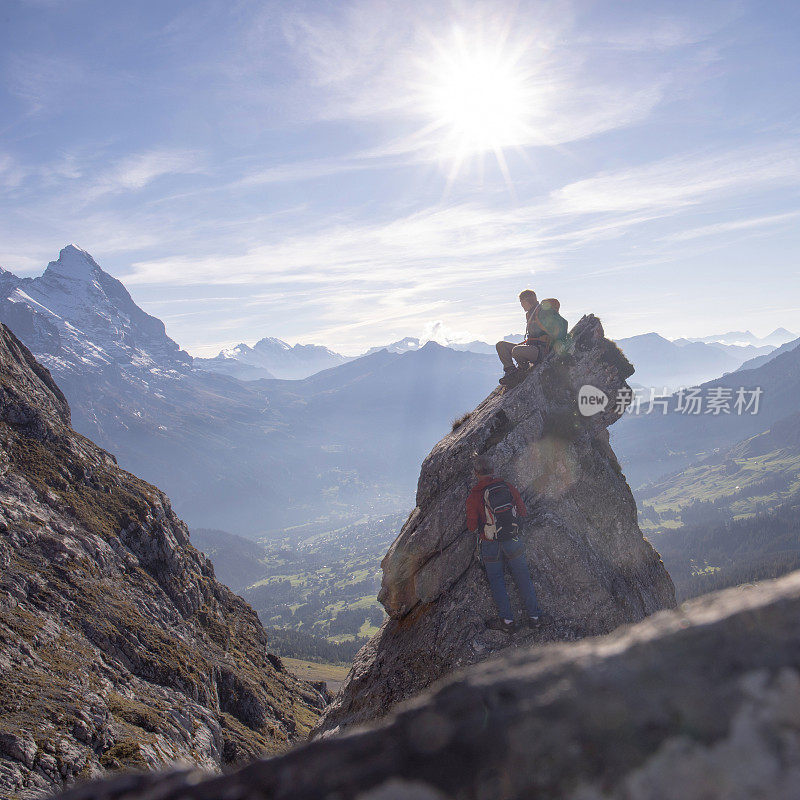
(272, 358)
(775, 339)
(412, 343)
(407, 345)
(77, 317)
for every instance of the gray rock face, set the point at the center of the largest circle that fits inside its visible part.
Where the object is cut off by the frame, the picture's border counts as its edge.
(702, 703)
(118, 647)
(592, 568)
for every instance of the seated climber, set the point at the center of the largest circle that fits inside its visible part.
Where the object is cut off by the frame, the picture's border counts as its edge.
(543, 327)
(494, 507)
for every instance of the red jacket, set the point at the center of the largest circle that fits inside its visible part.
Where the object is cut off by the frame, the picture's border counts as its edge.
(476, 514)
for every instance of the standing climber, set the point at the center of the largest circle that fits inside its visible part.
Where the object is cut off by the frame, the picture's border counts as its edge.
(494, 507)
(544, 326)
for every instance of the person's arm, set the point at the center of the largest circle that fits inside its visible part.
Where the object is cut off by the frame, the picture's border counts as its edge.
(519, 502)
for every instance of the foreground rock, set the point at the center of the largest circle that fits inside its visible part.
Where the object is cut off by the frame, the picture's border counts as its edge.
(699, 704)
(118, 647)
(592, 568)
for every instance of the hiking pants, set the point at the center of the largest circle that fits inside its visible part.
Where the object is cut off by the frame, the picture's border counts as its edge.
(493, 554)
(524, 354)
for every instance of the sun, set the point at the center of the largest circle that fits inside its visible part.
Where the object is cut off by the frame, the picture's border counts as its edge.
(479, 99)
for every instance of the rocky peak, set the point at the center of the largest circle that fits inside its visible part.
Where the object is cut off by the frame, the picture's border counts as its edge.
(78, 319)
(592, 568)
(269, 344)
(118, 647)
(74, 264)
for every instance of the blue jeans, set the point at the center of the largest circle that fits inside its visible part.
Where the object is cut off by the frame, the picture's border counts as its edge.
(493, 554)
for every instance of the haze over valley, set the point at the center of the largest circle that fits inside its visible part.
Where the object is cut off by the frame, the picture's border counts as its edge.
(399, 400)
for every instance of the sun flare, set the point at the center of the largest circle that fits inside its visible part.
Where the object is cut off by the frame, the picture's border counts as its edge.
(479, 100)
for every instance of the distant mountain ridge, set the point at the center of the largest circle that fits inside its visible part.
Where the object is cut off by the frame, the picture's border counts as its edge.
(661, 363)
(778, 337)
(411, 343)
(654, 445)
(759, 361)
(249, 457)
(272, 358)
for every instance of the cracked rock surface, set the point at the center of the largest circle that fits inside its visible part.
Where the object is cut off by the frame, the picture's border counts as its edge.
(119, 649)
(592, 568)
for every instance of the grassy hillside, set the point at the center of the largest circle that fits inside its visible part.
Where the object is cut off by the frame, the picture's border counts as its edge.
(731, 518)
(332, 674)
(724, 488)
(710, 556)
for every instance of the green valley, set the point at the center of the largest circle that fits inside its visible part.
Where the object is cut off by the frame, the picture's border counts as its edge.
(315, 591)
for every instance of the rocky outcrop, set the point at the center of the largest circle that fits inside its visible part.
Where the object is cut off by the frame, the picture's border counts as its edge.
(702, 703)
(592, 568)
(118, 647)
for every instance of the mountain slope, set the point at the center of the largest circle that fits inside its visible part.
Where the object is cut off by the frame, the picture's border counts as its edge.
(654, 445)
(118, 647)
(759, 361)
(732, 517)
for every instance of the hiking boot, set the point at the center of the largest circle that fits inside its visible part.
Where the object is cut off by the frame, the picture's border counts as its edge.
(509, 376)
(498, 624)
(535, 622)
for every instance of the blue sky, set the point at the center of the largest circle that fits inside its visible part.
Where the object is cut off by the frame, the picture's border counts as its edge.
(348, 173)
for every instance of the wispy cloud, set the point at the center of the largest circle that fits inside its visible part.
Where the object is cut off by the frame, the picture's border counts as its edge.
(43, 81)
(11, 173)
(683, 181)
(719, 228)
(309, 170)
(135, 172)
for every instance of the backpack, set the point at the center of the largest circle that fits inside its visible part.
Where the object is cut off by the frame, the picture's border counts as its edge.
(549, 320)
(501, 512)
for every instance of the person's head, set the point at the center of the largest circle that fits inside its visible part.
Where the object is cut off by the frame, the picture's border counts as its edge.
(481, 465)
(528, 299)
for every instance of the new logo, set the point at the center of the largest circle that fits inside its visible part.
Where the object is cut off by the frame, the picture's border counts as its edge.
(591, 400)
